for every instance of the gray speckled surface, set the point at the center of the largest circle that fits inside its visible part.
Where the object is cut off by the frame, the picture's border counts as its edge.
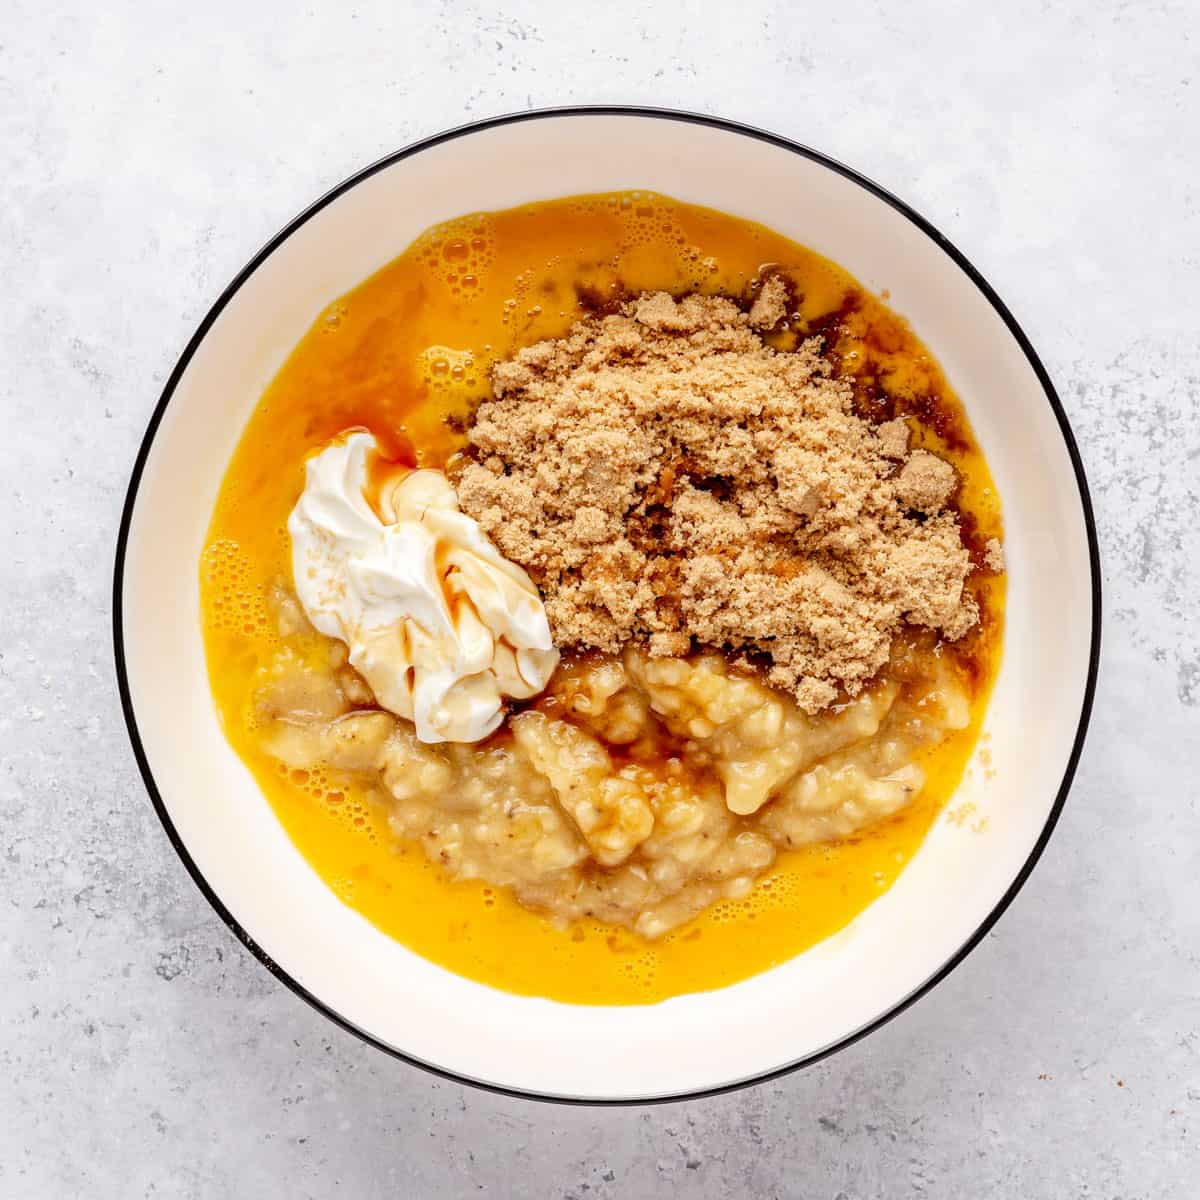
(146, 151)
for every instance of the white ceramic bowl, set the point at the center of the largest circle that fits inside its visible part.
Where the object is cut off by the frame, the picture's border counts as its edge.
(956, 886)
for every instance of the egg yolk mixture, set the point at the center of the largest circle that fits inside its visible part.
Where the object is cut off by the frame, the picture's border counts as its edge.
(408, 356)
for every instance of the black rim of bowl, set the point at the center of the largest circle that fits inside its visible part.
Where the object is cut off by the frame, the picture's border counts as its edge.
(659, 114)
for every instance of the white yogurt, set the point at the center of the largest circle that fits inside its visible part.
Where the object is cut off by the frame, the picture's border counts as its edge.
(437, 621)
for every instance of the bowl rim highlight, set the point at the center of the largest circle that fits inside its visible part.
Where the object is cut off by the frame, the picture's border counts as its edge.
(633, 112)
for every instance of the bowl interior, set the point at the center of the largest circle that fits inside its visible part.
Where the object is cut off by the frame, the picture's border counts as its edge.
(691, 1043)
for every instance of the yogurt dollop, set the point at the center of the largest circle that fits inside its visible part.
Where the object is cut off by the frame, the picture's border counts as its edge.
(437, 621)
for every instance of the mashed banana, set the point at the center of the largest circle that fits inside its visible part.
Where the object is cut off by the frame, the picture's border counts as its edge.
(638, 790)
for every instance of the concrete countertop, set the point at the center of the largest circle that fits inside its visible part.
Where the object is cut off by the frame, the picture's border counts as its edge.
(146, 151)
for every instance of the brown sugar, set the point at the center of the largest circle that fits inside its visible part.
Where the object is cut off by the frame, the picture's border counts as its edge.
(770, 305)
(926, 482)
(893, 438)
(667, 478)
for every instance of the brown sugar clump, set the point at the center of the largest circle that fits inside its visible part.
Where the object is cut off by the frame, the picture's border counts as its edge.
(770, 305)
(667, 478)
(893, 438)
(926, 482)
